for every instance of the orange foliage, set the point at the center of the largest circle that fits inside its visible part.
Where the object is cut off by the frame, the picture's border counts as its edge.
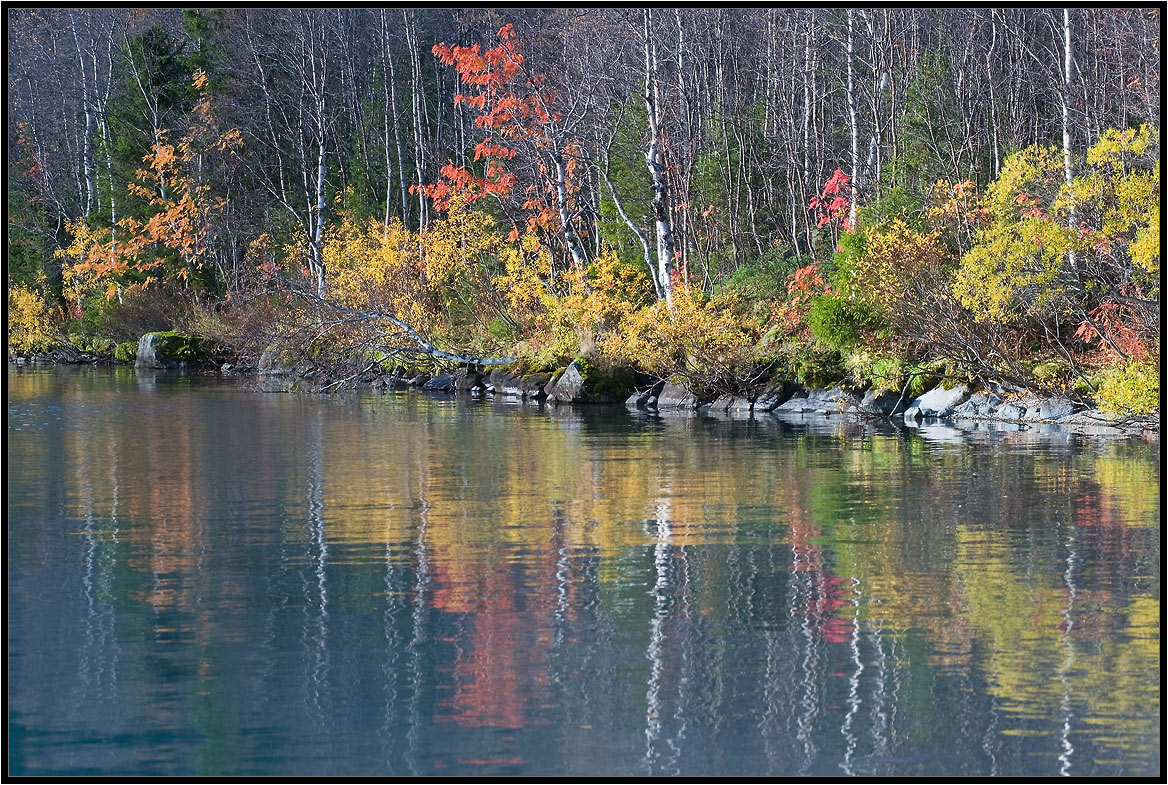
(513, 103)
(182, 207)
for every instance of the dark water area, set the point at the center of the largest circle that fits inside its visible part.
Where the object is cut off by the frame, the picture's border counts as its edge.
(207, 580)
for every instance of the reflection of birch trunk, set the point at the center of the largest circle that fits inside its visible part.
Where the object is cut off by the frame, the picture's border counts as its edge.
(854, 699)
(316, 608)
(421, 584)
(97, 655)
(657, 636)
(880, 680)
(87, 581)
(809, 703)
(392, 639)
(1068, 658)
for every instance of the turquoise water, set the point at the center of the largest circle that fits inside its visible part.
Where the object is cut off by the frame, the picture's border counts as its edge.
(205, 580)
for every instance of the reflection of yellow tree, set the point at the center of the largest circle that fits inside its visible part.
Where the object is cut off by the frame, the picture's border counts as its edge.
(1131, 488)
(1036, 654)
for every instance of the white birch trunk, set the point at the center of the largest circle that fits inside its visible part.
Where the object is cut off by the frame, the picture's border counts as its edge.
(1068, 172)
(655, 161)
(851, 96)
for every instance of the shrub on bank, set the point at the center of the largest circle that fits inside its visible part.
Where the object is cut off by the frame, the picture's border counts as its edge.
(32, 321)
(1133, 387)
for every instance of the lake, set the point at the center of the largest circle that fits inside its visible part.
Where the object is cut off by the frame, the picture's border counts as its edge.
(207, 580)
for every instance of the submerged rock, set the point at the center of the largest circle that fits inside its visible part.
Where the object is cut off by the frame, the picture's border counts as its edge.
(644, 398)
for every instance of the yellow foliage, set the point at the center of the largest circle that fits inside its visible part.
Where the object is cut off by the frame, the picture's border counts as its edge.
(1106, 220)
(1014, 269)
(600, 299)
(1131, 388)
(896, 254)
(456, 243)
(32, 322)
(374, 266)
(1118, 199)
(700, 338)
(1030, 180)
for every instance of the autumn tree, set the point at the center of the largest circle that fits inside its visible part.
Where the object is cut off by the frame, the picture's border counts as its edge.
(170, 242)
(526, 129)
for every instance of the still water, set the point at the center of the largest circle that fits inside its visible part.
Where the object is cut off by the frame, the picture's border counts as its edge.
(207, 580)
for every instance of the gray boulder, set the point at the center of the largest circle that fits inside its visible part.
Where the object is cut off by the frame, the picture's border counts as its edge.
(170, 350)
(572, 387)
(1050, 410)
(937, 400)
(774, 396)
(643, 399)
(530, 386)
(882, 403)
(677, 396)
(739, 405)
(466, 380)
(979, 405)
(719, 404)
(569, 387)
(443, 382)
(501, 382)
(834, 401)
(1011, 411)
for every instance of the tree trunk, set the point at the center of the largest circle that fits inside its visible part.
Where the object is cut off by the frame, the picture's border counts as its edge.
(851, 96)
(655, 161)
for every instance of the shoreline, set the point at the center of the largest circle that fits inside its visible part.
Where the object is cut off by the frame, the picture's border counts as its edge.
(1010, 412)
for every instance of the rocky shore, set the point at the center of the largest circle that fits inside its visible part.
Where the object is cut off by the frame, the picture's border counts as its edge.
(958, 405)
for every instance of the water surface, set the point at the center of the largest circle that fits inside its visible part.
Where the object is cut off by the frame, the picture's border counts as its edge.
(207, 580)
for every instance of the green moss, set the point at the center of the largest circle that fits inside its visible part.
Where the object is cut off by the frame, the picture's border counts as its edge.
(181, 347)
(601, 379)
(126, 352)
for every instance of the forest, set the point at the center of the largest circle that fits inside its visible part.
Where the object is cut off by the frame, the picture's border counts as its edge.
(880, 197)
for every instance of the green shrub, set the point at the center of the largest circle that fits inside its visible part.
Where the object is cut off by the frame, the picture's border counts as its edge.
(602, 377)
(764, 277)
(126, 352)
(500, 330)
(1132, 388)
(813, 366)
(879, 371)
(839, 323)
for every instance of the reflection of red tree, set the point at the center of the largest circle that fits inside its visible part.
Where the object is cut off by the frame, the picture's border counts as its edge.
(1102, 536)
(501, 668)
(830, 592)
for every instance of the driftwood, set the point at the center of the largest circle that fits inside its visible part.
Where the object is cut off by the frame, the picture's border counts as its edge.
(423, 346)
